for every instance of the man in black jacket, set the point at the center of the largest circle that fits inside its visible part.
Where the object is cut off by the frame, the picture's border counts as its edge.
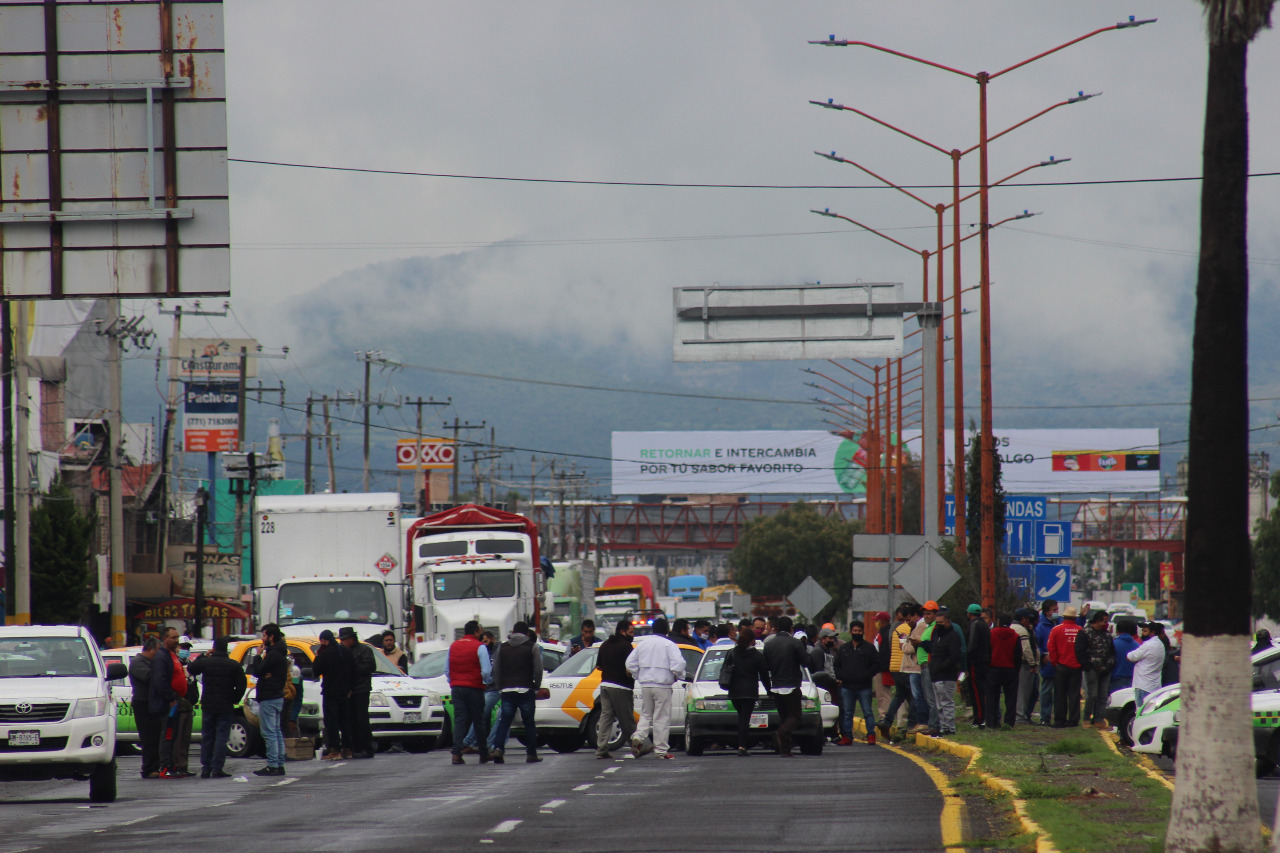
(148, 724)
(617, 697)
(363, 667)
(272, 671)
(857, 663)
(223, 685)
(168, 687)
(786, 658)
(333, 664)
(946, 651)
(979, 660)
(517, 673)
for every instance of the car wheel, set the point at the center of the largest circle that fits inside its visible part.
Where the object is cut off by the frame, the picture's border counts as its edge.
(102, 783)
(692, 745)
(1125, 725)
(616, 741)
(243, 739)
(812, 745)
(565, 741)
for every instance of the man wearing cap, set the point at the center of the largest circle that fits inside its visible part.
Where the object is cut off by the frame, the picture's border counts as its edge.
(334, 667)
(223, 685)
(979, 657)
(1066, 671)
(946, 655)
(362, 669)
(822, 669)
(1097, 657)
(1148, 664)
(922, 686)
(1029, 657)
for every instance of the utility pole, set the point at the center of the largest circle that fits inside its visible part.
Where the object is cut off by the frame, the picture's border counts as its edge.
(370, 358)
(170, 484)
(22, 474)
(328, 440)
(456, 426)
(202, 509)
(306, 464)
(421, 478)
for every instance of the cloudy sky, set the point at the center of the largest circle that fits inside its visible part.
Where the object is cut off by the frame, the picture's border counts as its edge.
(717, 93)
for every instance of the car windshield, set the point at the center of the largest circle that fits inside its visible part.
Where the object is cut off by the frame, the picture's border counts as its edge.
(347, 601)
(713, 662)
(1266, 671)
(53, 657)
(580, 664)
(383, 665)
(489, 583)
(430, 665)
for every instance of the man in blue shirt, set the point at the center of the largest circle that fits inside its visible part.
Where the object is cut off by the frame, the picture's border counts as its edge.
(1126, 641)
(1048, 618)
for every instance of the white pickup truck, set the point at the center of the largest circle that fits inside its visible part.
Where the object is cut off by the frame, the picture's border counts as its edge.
(57, 720)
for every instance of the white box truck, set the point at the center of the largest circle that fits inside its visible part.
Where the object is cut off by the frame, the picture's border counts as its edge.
(329, 561)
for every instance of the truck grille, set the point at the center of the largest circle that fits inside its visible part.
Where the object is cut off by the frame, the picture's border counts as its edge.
(408, 701)
(35, 712)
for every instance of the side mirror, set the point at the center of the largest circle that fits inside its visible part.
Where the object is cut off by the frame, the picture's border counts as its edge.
(117, 671)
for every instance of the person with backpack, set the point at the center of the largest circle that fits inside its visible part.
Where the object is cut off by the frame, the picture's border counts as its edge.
(741, 675)
(224, 685)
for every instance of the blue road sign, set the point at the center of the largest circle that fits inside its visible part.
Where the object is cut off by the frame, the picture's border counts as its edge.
(1016, 508)
(1037, 540)
(1040, 581)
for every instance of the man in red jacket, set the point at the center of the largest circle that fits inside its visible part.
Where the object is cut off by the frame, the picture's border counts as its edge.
(1066, 676)
(1002, 675)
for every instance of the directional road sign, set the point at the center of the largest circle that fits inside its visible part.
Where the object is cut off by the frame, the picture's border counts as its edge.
(1040, 581)
(1016, 507)
(926, 575)
(1037, 540)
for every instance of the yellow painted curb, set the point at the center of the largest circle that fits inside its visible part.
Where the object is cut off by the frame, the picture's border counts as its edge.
(1044, 844)
(1111, 739)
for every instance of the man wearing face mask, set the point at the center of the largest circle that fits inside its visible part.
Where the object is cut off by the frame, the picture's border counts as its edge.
(856, 664)
(822, 669)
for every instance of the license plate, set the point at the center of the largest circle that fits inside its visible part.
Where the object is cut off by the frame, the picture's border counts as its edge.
(413, 716)
(24, 738)
(759, 721)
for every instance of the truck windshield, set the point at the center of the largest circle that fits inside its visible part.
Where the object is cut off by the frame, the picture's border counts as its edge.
(499, 546)
(490, 583)
(349, 601)
(29, 657)
(442, 549)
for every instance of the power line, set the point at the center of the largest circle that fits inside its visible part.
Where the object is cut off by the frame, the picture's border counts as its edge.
(676, 185)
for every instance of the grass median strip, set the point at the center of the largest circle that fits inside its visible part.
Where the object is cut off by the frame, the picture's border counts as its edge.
(1082, 795)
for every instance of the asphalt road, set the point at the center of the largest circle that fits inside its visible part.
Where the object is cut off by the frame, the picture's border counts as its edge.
(848, 799)
(1268, 790)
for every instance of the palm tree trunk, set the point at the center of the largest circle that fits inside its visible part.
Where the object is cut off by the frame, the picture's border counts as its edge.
(1215, 804)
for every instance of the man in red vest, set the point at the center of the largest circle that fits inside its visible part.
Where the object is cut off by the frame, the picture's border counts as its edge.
(468, 670)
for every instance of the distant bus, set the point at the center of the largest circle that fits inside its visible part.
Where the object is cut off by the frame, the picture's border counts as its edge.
(686, 587)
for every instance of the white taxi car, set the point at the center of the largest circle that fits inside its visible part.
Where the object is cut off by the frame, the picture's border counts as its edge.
(568, 714)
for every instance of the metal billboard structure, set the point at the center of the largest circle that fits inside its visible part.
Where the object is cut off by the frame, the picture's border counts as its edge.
(113, 150)
(786, 322)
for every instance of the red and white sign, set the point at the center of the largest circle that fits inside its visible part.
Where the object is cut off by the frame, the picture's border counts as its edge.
(386, 563)
(210, 440)
(429, 453)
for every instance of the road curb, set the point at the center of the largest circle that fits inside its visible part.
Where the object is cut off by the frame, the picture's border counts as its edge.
(1112, 740)
(1044, 844)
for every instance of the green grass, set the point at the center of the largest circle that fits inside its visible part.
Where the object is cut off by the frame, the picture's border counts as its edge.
(1086, 797)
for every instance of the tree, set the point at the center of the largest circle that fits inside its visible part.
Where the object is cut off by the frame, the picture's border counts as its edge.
(1266, 560)
(1215, 803)
(775, 553)
(973, 498)
(61, 546)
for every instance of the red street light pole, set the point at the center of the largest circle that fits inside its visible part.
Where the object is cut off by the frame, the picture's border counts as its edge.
(957, 344)
(983, 78)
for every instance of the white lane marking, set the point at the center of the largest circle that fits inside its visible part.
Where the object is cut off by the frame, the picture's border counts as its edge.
(505, 826)
(288, 781)
(612, 769)
(135, 820)
(486, 840)
(554, 804)
(215, 805)
(443, 799)
(583, 787)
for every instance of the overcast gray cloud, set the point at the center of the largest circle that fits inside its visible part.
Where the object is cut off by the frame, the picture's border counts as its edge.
(717, 92)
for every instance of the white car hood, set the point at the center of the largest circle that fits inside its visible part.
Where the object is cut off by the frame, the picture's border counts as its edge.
(51, 689)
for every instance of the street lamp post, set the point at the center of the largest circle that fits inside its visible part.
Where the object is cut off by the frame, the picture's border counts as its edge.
(983, 79)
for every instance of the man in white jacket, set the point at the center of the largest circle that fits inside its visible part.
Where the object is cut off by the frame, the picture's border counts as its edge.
(656, 664)
(1148, 662)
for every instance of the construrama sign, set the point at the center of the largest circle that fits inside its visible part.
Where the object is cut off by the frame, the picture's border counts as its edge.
(736, 462)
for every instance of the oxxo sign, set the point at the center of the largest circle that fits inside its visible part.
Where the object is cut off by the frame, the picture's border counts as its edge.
(426, 454)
